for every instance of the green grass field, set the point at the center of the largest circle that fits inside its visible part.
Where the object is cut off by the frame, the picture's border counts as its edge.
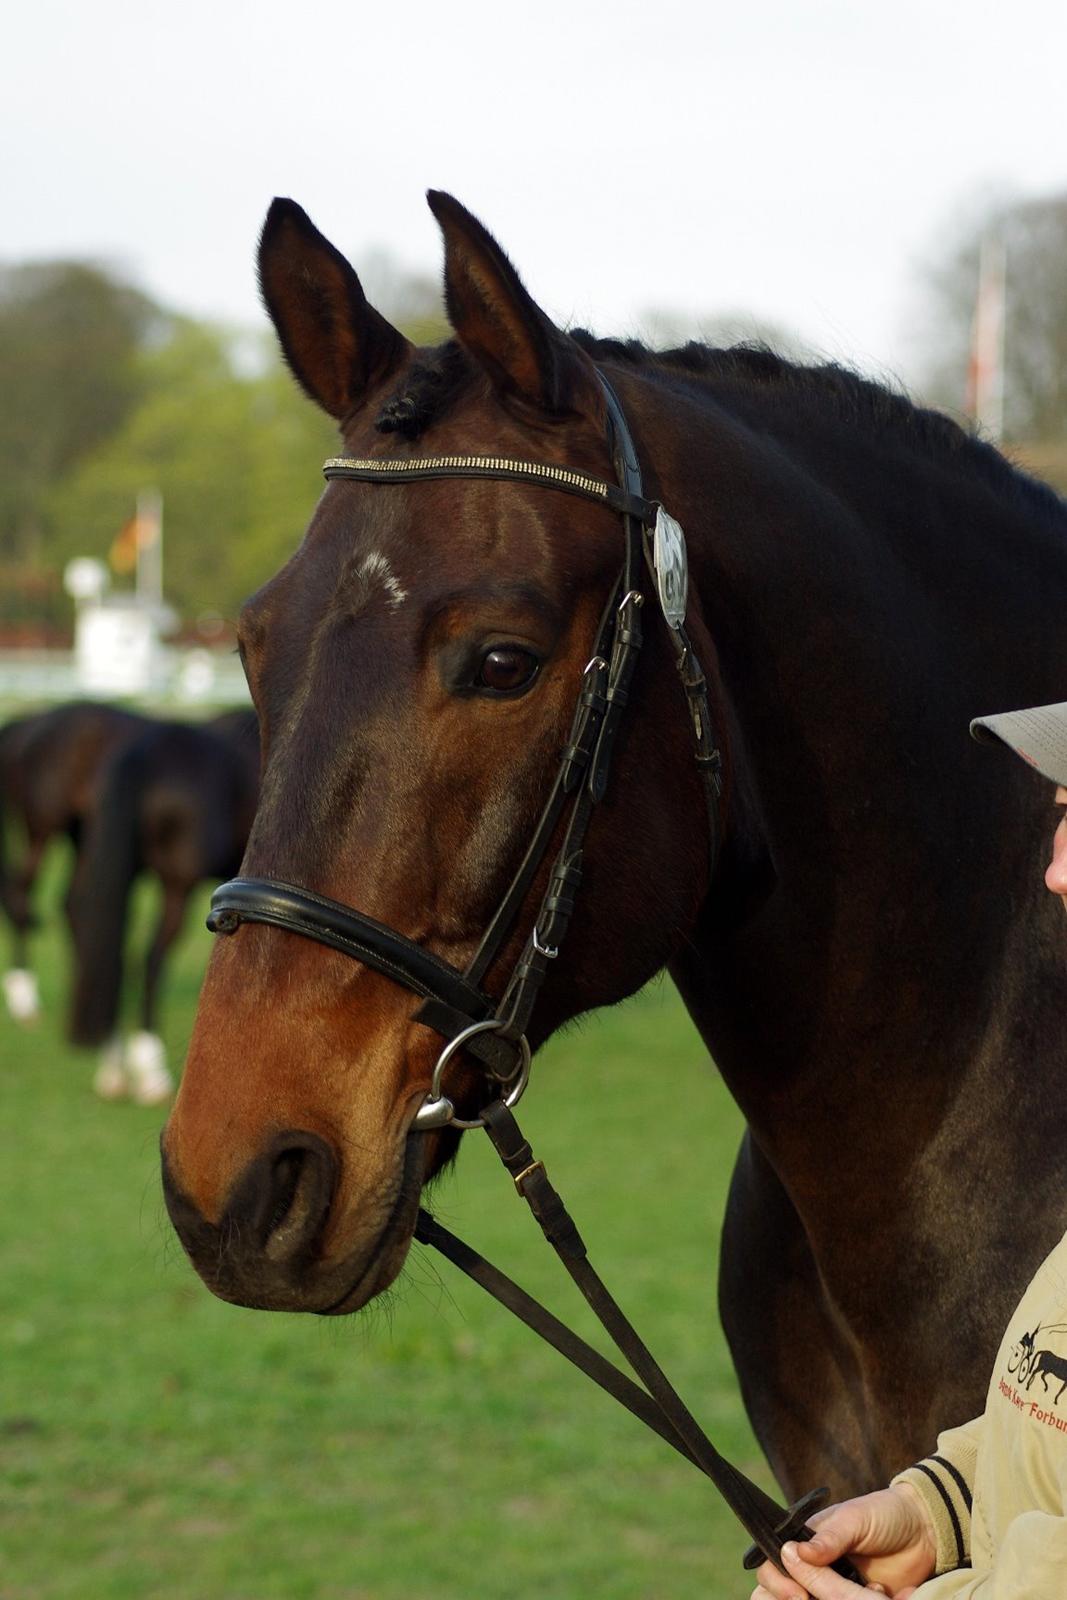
(155, 1442)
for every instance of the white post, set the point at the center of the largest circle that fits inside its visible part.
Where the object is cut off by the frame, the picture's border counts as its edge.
(150, 547)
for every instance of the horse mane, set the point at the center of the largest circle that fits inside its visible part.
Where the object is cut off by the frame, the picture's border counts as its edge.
(439, 376)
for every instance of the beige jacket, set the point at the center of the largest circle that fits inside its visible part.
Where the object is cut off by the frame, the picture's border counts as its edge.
(997, 1487)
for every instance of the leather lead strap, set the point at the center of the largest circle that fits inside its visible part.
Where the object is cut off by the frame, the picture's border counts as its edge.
(539, 1320)
(658, 1404)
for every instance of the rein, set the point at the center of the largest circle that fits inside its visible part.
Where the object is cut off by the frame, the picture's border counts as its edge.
(454, 1002)
(657, 1404)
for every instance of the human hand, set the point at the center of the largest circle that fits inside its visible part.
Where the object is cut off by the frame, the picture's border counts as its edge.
(887, 1535)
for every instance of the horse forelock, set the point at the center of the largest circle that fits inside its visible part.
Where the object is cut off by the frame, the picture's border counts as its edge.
(431, 384)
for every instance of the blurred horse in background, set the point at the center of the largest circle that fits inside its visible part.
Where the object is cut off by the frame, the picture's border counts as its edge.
(176, 802)
(51, 764)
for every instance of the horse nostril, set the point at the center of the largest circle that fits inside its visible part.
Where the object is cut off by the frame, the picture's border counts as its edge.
(302, 1183)
(285, 1195)
(287, 1170)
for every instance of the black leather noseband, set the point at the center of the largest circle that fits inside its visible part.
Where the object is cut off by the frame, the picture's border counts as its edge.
(331, 923)
(453, 1000)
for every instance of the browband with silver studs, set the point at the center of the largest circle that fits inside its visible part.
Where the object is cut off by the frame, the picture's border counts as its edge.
(385, 470)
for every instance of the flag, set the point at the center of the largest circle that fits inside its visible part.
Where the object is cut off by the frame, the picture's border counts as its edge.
(140, 532)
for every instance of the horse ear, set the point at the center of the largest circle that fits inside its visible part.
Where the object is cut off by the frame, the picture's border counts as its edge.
(336, 343)
(494, 317)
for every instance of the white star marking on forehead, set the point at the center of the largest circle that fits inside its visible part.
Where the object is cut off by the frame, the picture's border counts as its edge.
(375, 568)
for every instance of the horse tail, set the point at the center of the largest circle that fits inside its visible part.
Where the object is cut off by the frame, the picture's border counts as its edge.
(110, 862)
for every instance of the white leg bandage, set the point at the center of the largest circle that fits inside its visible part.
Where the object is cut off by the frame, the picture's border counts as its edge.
(146, 1068)
(109, 1080)
(21, 994)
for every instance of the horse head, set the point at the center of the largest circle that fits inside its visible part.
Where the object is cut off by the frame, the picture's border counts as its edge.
(415, 668)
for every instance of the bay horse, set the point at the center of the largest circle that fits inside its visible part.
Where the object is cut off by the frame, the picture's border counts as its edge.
(176, 802)
(872, 960)
(50, 768)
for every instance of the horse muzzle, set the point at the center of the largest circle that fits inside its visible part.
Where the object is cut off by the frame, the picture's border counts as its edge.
(272, 1246)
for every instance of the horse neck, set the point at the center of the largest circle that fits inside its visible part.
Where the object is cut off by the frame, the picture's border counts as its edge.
(843, 952)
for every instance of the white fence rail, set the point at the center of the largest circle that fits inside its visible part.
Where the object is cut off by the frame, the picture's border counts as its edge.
(184, 680)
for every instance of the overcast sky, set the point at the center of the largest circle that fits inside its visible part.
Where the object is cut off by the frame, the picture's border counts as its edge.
(795, 161)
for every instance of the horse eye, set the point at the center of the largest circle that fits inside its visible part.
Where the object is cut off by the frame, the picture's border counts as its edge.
(506, 669)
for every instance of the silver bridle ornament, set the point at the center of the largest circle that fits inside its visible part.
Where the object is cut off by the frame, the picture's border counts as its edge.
(671, 566)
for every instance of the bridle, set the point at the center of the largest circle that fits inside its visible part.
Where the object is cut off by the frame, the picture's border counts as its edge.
(455, 1003)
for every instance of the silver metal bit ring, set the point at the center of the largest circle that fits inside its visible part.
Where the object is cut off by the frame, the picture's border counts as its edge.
(437, 1111)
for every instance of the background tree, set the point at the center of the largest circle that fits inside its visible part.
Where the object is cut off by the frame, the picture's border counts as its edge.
(236, 456)
(233, 445)
(71, 338)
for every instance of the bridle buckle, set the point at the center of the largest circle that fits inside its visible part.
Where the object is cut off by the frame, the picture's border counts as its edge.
(549, 951)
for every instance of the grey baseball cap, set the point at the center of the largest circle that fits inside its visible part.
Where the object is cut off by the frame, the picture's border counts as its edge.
(1038, 734)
